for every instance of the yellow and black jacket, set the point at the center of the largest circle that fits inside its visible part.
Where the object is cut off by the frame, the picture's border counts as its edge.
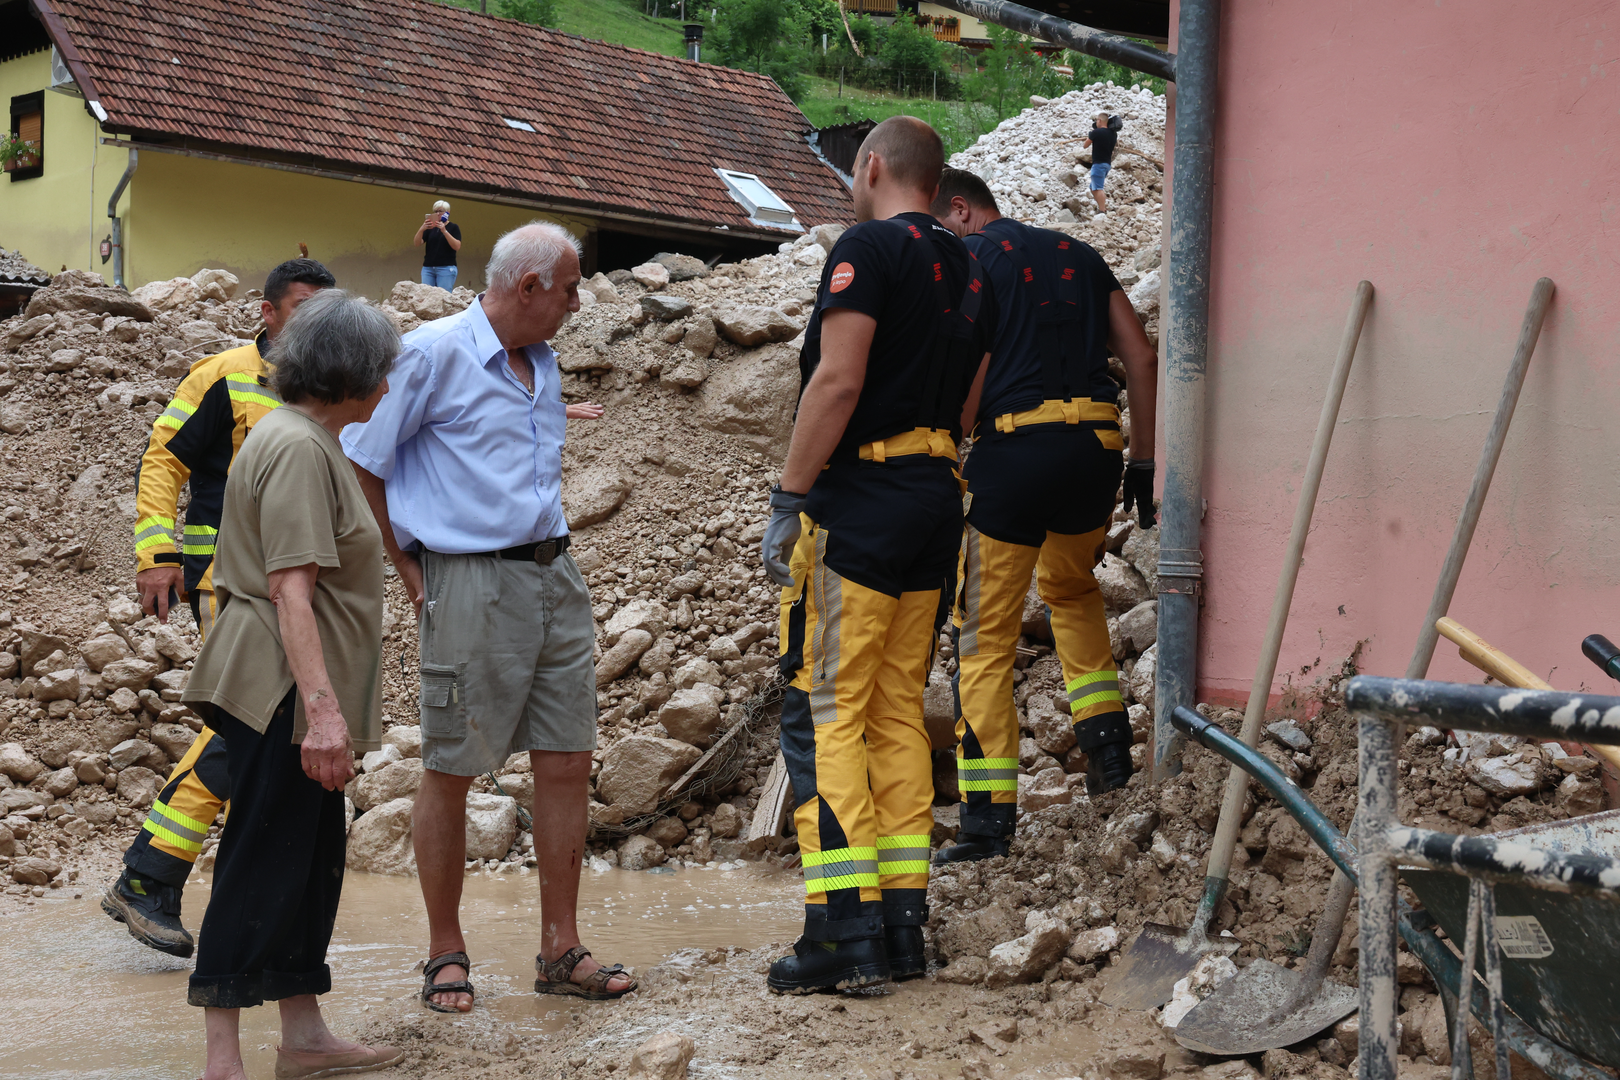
(196, 438)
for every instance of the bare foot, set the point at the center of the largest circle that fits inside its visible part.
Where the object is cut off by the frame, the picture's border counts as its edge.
(232, 1071)
(459, 1000)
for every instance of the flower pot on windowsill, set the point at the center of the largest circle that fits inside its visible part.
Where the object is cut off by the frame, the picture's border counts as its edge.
(21, 163)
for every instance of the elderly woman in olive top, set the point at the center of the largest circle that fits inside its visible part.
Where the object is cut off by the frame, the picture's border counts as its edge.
(290, 678)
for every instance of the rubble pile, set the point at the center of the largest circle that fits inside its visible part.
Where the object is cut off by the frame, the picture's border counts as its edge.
(666, 494)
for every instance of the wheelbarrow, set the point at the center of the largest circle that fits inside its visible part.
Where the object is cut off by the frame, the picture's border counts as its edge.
(1212, 1031)
(1542, 904)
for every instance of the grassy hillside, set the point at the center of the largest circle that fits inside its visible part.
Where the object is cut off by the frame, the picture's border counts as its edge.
(621, 22)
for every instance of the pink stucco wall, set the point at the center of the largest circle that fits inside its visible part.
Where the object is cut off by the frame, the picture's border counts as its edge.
(1451, 153)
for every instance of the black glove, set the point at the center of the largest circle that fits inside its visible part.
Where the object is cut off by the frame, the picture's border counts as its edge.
(1139, 490)
(781, 533)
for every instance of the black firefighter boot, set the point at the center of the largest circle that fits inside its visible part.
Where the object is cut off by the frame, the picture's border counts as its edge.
(834, 955)
(151, 910)
(1106, 739)
(986, 830)
(905, 913)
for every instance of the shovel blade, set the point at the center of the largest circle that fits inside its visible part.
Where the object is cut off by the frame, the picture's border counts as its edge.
(1160, 957)
(1242, 1016)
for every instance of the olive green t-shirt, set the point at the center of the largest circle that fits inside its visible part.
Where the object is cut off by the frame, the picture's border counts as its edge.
(292, 499)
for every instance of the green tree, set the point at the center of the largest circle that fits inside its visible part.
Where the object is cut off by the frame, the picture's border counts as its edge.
(910, 54)
(1009, 72)
(767, 36)
(538, 12)
(1089, 69)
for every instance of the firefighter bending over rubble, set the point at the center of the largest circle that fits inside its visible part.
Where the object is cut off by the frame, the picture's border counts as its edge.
(1047, 411)
(870, 509)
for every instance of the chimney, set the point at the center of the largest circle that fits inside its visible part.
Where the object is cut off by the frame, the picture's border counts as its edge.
(694, 40)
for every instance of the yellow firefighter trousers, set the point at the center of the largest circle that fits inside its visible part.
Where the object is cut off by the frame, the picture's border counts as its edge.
(855, 745)
(994, 579)
(172, 836)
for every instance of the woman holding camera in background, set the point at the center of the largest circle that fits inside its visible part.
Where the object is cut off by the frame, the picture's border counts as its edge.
(443, 240)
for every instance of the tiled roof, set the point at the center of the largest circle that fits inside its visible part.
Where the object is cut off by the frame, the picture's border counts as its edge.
(418, 91)
(16, 270)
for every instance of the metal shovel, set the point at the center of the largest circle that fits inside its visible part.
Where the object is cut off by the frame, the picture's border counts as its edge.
(1161, 956)
(1276, 1007)
(1266, 1005)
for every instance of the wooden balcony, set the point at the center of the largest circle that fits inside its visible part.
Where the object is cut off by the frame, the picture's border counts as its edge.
(869, 7)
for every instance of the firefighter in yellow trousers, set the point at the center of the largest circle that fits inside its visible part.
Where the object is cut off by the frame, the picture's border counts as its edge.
(195, 439)
(871, 511)
(1045, 466)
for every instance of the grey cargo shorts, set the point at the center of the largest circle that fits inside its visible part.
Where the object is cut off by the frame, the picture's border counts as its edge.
(507, 661)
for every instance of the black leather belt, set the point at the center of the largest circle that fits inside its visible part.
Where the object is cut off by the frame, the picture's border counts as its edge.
(542, 551)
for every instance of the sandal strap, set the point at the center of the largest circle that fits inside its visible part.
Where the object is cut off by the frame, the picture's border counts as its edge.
(598, 980)
(561, 970)
(460, 986)
(439, 963)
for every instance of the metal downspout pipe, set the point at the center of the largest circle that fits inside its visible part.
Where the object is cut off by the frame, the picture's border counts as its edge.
(1181, 562)
(118, 222)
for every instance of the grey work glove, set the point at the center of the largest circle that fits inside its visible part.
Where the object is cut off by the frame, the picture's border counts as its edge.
(781, 533)
(1139, 490)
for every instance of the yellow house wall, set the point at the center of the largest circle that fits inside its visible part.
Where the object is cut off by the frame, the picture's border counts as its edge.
(190, 213)
(58, 219)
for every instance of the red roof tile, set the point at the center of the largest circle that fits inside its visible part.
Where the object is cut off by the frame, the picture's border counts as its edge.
(419, 92)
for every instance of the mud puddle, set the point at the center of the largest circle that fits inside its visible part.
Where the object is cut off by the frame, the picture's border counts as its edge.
(87, 1001)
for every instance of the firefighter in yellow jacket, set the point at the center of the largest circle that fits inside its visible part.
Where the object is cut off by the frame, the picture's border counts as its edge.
(195, 439)
(871, 511)
(1046, 463)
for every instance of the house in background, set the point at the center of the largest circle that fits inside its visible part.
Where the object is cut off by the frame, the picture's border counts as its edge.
(232, 133)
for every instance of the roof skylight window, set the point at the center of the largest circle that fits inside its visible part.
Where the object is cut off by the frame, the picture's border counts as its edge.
(764, 206)
(521, 125)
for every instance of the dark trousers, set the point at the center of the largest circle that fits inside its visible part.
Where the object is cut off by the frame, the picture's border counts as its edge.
(277, 876)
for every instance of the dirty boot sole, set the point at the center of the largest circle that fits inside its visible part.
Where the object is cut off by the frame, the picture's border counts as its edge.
(849, 979)
(143, 929)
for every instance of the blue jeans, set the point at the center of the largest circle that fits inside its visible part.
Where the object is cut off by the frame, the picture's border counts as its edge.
(442, 276)
(1099, 173)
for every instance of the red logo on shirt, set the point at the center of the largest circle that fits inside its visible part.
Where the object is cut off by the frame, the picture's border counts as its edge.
(939, 275)
(1068, 273)
(1063, 245)
(842, 275)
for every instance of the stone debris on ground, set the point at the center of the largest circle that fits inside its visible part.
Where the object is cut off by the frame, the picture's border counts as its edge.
(666, 494)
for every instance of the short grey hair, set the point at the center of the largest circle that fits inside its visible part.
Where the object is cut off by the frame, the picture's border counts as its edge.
(336, 347)
(441, 206)
(535, 248)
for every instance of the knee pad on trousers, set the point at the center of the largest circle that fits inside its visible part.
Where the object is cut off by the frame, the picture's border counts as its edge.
(1095, 731)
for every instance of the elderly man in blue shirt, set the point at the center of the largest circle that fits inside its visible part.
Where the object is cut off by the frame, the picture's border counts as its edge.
(462, 465)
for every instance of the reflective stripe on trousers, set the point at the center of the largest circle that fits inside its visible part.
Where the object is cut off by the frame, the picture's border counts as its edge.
(995, 578)
(852, 731)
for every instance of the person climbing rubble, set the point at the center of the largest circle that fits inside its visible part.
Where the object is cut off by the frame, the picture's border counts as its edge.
(1102, 138)
(1047, 408)
(194, 440)
(871, 511)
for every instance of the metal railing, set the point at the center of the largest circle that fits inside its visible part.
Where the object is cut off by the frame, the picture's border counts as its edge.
(1383, 708)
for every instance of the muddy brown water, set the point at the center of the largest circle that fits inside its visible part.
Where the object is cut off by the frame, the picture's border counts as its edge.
(86, 1001)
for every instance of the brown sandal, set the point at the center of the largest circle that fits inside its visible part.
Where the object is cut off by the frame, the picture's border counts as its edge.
(558, 977)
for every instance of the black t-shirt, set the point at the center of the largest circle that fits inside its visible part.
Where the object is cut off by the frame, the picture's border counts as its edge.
(1014, 381)
(439, 251)
(886, 269)
(1102, 145)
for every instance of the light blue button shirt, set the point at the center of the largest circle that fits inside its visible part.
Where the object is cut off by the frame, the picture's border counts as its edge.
(470, 461)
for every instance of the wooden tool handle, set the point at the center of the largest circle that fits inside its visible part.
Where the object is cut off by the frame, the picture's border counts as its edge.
(1504, 669)
(1488, 658)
